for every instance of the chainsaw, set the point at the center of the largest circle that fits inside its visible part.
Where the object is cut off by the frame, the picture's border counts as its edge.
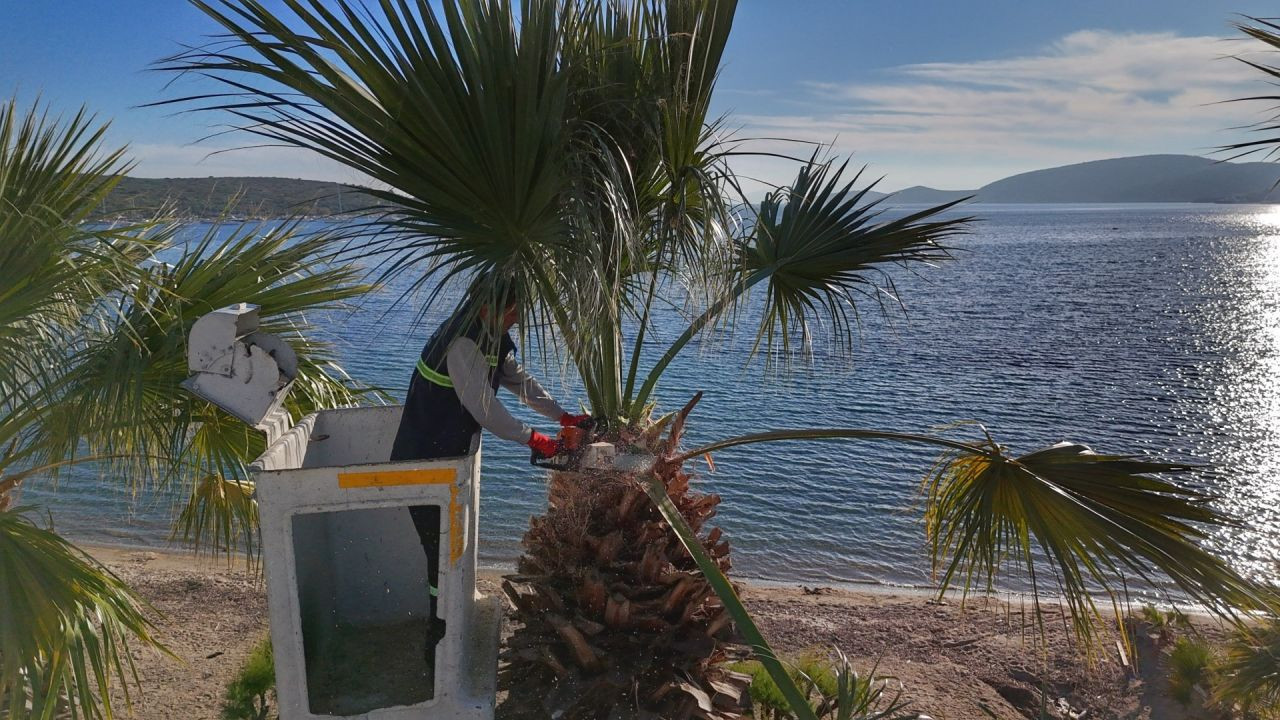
(579, 454)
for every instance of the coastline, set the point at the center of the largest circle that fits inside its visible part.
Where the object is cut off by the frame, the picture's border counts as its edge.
(174, 558)
(980, 659)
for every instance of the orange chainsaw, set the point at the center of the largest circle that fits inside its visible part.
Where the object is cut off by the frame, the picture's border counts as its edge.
(572, 442)
(579, 453)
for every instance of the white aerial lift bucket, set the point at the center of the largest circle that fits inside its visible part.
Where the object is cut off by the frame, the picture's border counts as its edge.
(347, 579)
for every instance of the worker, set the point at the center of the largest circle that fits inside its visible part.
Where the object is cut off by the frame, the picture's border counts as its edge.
(452, 395)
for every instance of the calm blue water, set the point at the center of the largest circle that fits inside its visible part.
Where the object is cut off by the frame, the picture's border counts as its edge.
(1144, 329)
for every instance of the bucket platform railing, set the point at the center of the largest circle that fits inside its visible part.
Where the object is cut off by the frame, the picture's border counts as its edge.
(348, 586)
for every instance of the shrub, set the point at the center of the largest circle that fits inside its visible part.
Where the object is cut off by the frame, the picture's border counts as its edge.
(832, 686)
(1189, 666)
(1164, 622)
(247, 695)
(1248, 675)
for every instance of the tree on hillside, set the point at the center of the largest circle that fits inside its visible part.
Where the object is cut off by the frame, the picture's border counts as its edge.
(565, 152)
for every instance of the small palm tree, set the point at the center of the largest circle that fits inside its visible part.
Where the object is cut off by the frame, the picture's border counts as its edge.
(93, 333)
(67, 621)
(1248, 674)
(565, 152)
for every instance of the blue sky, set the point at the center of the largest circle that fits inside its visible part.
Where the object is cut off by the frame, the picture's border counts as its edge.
(946, 94)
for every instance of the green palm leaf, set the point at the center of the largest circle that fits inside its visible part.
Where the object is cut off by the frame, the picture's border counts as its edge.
(1267, 32)
(1096, 518)
(66, 624)
(1093, 519)
(821, 246)
(462, 120)
(53, 265)
(642, 76)
(221, 513)
(817, 247)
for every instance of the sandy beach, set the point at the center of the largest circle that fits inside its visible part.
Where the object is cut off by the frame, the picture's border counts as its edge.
(981, 660)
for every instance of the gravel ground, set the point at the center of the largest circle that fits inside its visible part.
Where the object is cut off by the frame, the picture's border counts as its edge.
(982, 660)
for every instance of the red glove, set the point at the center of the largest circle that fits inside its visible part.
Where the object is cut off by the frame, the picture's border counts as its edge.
(543, 445)
(568, 420)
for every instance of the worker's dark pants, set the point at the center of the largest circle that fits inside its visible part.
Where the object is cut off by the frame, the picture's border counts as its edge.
(426, 520)
(433, 425)
(428, 431)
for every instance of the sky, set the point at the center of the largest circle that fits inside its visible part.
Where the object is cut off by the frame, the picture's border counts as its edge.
(938, 93)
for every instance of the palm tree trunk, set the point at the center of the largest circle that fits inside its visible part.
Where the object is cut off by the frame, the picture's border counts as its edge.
(605, 586)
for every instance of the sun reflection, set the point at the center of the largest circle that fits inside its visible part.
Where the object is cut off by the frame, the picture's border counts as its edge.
(1266, 219)
(1242, 316)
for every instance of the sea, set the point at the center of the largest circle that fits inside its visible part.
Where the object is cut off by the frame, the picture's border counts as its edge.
(1149, 329)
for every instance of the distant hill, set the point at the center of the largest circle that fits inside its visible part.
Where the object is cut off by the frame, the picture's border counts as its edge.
(1145, 178)
(929, 196)
(1141, 179)
(255, 197)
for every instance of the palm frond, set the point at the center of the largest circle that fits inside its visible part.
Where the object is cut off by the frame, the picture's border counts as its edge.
(457, 111)
(642, 76)
(220, 515)
(818, 248)
(123, 398)
(68, 625)
(822, 245)
(1248, 675)
(53, 265)
(1266, 32)
(1096, 518)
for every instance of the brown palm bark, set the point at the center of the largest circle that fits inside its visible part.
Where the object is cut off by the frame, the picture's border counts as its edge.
(615, 620)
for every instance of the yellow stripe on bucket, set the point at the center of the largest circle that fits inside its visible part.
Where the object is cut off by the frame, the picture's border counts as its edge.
(394, 478)
(455, 526)
(435, 476)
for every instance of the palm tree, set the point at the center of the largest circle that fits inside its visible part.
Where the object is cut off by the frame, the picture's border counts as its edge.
(1267, 32)
(565, 152)
(68, 622)
(1248, 675)
(93, 335)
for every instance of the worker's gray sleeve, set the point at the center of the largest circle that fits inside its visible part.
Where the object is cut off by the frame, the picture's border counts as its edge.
(469, 373)
(518, 380)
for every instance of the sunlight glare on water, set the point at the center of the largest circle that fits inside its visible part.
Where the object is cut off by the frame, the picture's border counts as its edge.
(1244, 320)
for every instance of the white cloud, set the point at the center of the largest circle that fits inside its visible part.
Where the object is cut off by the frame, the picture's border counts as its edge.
(1092, 94)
